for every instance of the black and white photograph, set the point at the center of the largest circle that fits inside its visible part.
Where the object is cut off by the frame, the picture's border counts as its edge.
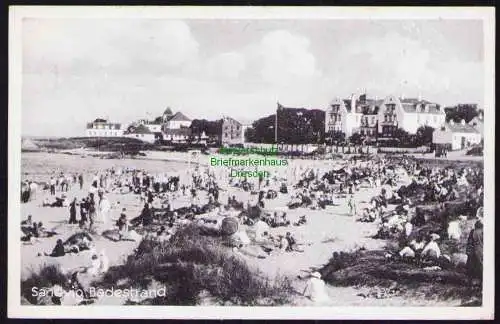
(210, 163)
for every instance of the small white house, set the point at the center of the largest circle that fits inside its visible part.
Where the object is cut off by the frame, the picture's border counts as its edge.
(142, 133)
(458, 135)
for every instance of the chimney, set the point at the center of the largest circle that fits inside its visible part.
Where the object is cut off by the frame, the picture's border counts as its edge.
(419, 97)
(402, 96)
(463, 122)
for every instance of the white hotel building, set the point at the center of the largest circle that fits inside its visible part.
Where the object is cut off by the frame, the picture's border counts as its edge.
(352, 115)
(104, 128)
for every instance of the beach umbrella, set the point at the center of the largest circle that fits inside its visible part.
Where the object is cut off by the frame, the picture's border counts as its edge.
(229, 226)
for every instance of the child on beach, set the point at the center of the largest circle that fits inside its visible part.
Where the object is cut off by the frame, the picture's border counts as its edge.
(351, 203)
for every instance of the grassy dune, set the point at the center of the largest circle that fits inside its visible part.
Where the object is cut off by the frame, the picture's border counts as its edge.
(195, 267)
(103, 144)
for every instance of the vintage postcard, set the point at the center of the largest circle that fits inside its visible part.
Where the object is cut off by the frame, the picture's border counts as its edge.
(251, 162)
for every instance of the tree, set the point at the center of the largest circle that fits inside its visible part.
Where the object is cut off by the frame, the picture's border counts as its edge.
(424, 135)
(168, 111)
(250, 135)
(461, 111)
(356, 139)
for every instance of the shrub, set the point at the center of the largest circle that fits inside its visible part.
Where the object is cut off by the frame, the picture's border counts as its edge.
(475, 151)
(46, 276)
(192, 263)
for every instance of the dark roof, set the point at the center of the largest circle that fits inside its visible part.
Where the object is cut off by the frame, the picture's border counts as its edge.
(141, 129)
(369, 107)
(231, 120)
(178, 131)
(410, 106)
(100, 120)
(178, 116)
(477, 120)
(461, 128)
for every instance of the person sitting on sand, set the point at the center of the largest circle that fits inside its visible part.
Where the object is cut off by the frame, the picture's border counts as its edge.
(414, 248)
(302, 220)
(292, 243)
(162, 235)
(316, 289)
(122, 224)
(282, 242)
(28, 221)
(95, 264)
(58, 250)
(431, 251)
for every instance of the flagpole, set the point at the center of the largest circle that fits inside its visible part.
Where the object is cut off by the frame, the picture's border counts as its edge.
(276, 125)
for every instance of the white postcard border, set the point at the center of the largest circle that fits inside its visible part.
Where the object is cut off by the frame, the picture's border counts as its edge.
(17, 13)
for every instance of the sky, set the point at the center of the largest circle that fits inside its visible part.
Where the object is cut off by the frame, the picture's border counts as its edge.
(124, 69)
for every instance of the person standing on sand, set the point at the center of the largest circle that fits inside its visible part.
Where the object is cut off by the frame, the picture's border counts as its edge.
(475, 253)
(351, 203)
(104, 207)
(80, 180)
(52, 186)
(72, 212)
(84, 208)
(92, 211)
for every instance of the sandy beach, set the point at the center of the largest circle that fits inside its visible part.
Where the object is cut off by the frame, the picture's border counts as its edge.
(326, 231)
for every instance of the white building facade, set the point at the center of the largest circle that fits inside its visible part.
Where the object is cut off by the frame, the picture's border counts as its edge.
(343, 116)
(104, 128)
(458, 136)
(408, 114)
(177, 121)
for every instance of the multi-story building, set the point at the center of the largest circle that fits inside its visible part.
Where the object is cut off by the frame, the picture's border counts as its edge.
(349, 116)
(232, 131)
(343, 116)
(457, 136)
(408, 114)
(176, 121)
(369, 119)
(104, 128)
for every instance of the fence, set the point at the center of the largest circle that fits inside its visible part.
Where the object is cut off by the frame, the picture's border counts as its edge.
(310, 148)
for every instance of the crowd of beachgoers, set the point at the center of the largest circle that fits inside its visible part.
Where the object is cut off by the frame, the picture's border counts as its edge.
(421, 207)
